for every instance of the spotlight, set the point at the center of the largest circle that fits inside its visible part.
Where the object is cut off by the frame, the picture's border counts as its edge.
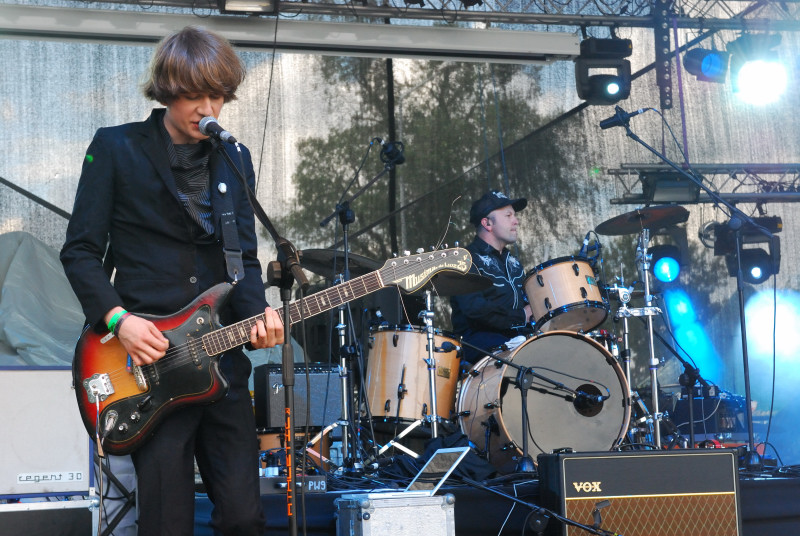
(757, 265)
(707, 65)
(757, 76)
(602, 75)
(665, 262)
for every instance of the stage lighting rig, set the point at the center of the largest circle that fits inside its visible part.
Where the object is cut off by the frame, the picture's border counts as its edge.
(707, 65)
(602, 74)
(758, 264)
(757, 75)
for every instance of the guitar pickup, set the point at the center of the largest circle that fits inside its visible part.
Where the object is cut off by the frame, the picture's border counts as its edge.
(98, 386)
(138, 375)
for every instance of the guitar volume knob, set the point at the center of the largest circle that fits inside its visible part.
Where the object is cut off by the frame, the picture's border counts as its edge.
(136, 416)
(123, 428)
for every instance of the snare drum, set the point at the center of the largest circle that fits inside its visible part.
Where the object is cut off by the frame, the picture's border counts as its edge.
(564, 295)
(490, 406)
(397, 382)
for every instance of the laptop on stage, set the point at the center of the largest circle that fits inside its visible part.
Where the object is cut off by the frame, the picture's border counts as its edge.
(431, 477)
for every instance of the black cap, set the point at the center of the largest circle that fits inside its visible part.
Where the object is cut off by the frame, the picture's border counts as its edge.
(492, 201)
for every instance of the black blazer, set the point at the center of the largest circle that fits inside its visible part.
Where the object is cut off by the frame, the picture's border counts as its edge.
(127, 195)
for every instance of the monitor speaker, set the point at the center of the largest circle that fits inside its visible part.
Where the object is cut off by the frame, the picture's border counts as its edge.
(323, 396)
(643, 493)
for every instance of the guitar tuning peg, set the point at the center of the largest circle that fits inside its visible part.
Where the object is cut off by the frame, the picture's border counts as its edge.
(455, 244)
(394, 255)
(420, 250)
(433, 248)
(445, 246)
(406, 253)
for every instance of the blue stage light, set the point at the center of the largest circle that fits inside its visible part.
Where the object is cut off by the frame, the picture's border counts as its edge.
(707, 65)
(666, 262)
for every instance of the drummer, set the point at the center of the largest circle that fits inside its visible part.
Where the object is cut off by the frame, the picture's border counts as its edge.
(489, 318)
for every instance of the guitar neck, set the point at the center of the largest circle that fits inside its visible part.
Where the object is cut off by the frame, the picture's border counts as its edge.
(237, 334)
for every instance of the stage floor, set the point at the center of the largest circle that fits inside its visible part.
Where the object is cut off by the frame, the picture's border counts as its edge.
(770, 506)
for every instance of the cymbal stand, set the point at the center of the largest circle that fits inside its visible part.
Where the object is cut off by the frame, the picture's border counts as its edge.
(624, 312)
(648, 311)
(427, 319)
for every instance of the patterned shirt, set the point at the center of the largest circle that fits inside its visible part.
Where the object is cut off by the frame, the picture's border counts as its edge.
(499, 308)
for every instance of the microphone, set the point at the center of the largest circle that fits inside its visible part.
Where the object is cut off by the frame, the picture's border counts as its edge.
(211, 128)
(392, 153)
(587, 400)
(447, 347)
(621, 117)
(585, 246)
(379, 463)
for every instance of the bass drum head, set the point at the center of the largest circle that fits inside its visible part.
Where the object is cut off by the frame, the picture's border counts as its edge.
(555, 419)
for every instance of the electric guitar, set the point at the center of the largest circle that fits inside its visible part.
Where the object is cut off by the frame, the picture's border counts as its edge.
(123, 403)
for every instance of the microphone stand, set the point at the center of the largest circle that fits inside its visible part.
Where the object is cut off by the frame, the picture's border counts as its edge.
(346, 217)
(736, 223)
(284, 271)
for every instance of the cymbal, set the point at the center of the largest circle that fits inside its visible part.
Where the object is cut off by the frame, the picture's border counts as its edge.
(455, 283)
(321, 262)
(643, 218)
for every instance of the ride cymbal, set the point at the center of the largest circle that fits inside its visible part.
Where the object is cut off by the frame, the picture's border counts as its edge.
(652, 218)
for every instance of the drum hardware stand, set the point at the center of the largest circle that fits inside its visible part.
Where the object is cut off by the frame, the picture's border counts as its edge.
(430, 416)
(624, 312)
(648, 311)
(427, 319)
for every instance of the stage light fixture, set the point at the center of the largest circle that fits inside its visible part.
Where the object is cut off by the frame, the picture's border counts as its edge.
(668, 187)
(707, 65)
(757, 265)
(757, 75)
(602, 75)
(250, 7)
(666, 262)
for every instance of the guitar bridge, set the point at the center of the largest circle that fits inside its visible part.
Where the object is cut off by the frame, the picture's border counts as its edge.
(98, 386)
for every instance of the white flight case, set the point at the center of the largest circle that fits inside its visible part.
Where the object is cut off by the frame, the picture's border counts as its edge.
(396, 515)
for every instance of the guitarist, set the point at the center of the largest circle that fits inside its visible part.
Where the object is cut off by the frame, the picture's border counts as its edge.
(148, 205)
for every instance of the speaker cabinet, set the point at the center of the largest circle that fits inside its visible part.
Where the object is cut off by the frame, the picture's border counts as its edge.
(45, 449)
(323, 396)
(668, 493)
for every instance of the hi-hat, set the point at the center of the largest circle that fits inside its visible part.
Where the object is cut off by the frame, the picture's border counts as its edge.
(329, 263)
(455, 283)
(652, 218)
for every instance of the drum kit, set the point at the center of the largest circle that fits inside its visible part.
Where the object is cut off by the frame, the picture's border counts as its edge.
(573, 382)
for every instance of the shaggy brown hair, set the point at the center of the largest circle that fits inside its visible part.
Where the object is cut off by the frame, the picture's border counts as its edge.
(193, 60)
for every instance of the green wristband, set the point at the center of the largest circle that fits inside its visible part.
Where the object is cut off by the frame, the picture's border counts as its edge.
(114, 319)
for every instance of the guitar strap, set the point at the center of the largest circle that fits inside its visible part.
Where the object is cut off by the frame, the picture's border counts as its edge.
(230, 240)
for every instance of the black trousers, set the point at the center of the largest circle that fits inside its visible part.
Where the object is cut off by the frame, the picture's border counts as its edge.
(222, 438)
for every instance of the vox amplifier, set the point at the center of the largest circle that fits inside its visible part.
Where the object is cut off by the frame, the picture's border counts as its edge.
(643, 493)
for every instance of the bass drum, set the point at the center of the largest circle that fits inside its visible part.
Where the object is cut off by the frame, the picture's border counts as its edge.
(490, 408)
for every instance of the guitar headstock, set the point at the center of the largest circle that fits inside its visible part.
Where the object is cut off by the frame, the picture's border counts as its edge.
(411, 272)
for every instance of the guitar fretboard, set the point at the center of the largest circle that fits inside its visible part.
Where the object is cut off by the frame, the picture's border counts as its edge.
(230, 337)
(410, 273)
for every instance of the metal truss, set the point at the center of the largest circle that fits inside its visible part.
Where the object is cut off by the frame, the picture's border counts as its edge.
(696, 14)
(735, 183)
